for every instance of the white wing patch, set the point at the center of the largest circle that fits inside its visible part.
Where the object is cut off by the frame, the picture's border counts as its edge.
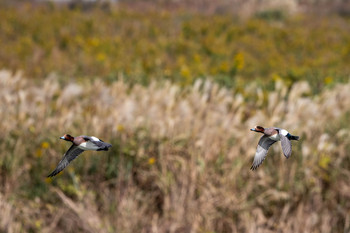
(94, 138)
(88, 146)
(284, 132)
(83, 146)
(275, 137)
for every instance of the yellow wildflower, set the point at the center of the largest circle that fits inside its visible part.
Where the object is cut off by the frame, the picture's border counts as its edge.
(324, 161)
(185, 71)
(38, 224)
(45, 145)
(276, 77)
(94, 42)
(151, 160)
(101, 57)
(48, 180)
(328, 80)
(239, 61)
(120, 128)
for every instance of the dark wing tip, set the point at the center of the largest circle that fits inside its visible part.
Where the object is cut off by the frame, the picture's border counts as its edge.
(254, 167)
(107, 145)
(54, 173)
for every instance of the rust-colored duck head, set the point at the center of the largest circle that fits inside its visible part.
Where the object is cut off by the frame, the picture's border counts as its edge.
(258, 129)
(67, 137)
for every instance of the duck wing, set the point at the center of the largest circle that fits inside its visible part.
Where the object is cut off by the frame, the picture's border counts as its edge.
(286, 145)
(70, 155)
(261, 151)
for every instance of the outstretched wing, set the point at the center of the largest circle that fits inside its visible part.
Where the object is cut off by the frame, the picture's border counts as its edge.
(261, 151)
(70, 155)
(286, 145)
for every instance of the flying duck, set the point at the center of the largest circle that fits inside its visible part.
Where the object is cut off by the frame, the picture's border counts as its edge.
(80, 144)
(271, 135)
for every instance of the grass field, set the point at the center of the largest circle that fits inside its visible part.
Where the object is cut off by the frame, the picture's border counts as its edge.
(179, 46)
(175, 93)
(180, 158)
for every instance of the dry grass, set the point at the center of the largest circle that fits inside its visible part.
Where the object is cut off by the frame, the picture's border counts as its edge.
(180, 158)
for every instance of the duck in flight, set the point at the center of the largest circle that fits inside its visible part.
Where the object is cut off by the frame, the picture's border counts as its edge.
(80, 144)
(270, 136)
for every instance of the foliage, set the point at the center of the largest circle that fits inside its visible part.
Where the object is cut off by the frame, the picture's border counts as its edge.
(175, 93)
(140, 47)
(180, 158)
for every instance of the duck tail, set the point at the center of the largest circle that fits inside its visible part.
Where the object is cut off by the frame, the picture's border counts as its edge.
(105, 146)
(292, 137)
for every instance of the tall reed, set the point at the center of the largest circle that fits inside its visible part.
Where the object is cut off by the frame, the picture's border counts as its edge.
(180, 158)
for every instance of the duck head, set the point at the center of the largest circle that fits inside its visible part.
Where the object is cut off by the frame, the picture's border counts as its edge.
(258, 129)
(67, 137)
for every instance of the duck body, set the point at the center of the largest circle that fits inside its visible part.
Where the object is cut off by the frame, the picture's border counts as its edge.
(80, 144)
(87, 142)
(270, 136)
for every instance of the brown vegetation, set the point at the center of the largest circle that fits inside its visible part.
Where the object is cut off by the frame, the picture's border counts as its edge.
(180, 158)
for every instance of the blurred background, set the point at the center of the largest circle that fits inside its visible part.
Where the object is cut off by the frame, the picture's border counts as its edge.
(175, 87)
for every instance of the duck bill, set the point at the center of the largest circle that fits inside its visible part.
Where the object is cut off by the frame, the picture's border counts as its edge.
(253, 130)
(62, 138)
